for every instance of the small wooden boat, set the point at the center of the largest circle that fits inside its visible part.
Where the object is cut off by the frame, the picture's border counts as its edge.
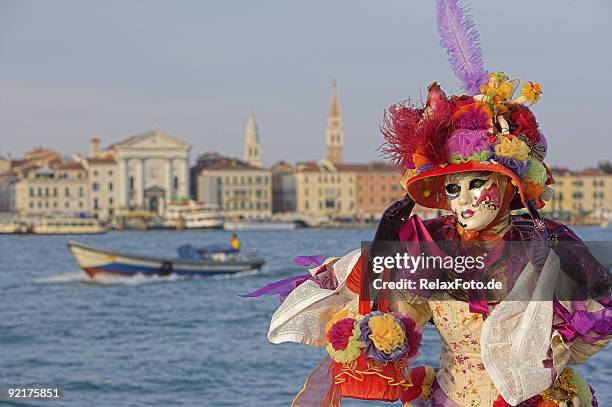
(96, 261)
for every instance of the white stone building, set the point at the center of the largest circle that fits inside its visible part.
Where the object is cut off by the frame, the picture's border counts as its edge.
(151, 169)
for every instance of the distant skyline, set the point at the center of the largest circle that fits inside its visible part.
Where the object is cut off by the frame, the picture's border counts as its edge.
(73, 70)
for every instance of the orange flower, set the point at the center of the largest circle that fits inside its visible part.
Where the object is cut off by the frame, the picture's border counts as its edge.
(532, 191)
(531, 92)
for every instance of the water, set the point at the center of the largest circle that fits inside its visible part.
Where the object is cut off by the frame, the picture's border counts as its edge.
(169, 341)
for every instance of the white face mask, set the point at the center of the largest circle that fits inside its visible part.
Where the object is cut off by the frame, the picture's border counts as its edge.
(474, 197)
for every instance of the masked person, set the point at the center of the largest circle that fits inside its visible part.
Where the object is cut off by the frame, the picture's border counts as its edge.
(479, 155)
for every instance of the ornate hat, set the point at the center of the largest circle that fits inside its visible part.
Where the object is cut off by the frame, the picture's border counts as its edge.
(485, 129)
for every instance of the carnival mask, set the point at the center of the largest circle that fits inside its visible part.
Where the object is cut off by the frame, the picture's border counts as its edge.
(475, 197)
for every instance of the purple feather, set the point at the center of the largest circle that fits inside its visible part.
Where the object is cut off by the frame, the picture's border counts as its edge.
(458, 34)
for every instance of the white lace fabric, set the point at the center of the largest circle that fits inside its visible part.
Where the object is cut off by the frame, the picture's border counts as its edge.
(303, 314)
(516, 336)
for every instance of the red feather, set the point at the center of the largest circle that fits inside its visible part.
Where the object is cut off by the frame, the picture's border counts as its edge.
(408, 130)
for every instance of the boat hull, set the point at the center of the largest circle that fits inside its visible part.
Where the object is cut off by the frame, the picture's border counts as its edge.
(96, 261)
(234, 226)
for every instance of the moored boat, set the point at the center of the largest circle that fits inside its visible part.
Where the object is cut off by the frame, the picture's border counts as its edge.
(189, 214)
(258, 225)
(67, 225)
(96, 261)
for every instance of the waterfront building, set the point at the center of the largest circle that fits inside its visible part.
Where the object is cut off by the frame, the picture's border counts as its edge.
(5, 165)
(241, 190)
(323, 189)
(103, 180)
(252, 152)
(376, 187)
(360, 191)
(283, 187)
(59, 188)
(148, 171)
(334, 133)
(584, 193)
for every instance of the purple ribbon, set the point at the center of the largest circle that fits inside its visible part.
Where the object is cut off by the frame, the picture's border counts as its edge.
(582, 322)
(285, 286)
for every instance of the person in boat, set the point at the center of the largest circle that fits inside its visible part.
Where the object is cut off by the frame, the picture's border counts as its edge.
(235, 243)
(479, 155)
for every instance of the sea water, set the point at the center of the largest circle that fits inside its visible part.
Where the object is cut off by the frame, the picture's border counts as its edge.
(170, 341)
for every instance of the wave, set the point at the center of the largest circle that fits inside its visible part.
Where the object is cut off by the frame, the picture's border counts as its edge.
(136, 279)
(107, 279)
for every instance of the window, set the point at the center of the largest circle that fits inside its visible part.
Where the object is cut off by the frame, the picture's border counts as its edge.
(577, 195)
(67, 191)
(131, 183)
(39, 191)
(81, 193)
(110, 173)
(175, 183)
(95, 187)
(110, 186)
(31, 191)
(95, 203)
(95, 173)
(67, 204)
(80, 204)
(110, 201)
(54, 191)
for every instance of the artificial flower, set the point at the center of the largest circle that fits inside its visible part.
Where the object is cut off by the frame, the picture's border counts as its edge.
(476, 157)
(512, 147)
(473, 116)
(532, 191)
(384, 338)
(419, 159)
(498, 86)
(413, 337)
(353, 348)
(339, 334)
(465, 143)
(335, 318)
(522, 121)
(387, 334)
(583, 390)
(517, 166)
(531, 92)
(536, 172)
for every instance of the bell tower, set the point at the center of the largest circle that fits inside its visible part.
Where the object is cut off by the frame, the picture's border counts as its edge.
(334, 134)
(251, 142)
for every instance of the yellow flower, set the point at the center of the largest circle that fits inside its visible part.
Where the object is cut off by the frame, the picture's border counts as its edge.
(531, 92)
(515, 148)
(505, 90)
(387, 335)
(499, 86)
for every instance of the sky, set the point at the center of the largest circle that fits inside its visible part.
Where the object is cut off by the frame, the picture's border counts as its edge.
(71, 70)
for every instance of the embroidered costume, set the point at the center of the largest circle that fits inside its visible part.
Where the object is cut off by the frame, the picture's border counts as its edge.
(479, 155)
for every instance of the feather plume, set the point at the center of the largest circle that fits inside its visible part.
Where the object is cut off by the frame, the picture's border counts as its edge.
(399, 130)
(458, 34)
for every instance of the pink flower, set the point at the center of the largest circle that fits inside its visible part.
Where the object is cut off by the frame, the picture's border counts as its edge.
(339, 334)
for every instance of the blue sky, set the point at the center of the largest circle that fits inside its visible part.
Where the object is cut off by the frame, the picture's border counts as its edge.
(73, 70)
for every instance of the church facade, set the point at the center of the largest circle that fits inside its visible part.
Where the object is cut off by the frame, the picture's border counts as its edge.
(152, 168)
